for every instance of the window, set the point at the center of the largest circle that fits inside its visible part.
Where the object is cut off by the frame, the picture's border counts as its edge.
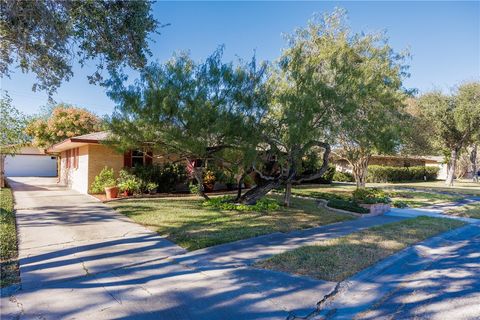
(137, 158)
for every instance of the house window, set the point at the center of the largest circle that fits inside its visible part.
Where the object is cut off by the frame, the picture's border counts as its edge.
(137, 158)
(71, 158)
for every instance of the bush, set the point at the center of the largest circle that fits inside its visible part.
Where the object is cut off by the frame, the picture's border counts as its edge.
(399, 174)
(129, 182)
(347, 205)
(225, 203)
(343, 177)
(370, 196)
(399, 204)
(106, 178)
(166, 176)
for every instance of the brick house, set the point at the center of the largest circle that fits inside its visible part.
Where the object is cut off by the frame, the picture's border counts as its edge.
(83, 157)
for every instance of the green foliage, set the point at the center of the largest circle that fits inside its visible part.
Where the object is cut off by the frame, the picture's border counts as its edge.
(346, 205)
(399, 204)
(225, 203)
(106, 178)
(8, 235)
(151, 186)
(209, 177)
(166, 176)
(370, 196)
(399, 174)
(44, 37)
(343, 177)
(194, 188)
(64, 122)
(129, 182)
(12, 124)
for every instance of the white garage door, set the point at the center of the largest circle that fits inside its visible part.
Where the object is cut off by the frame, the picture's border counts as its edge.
(23, 165)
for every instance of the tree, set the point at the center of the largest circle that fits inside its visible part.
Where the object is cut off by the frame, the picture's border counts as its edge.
(64, 122)
(43, 36)
(196, 110)
(376, 99)
(455, 119)
(12, 137)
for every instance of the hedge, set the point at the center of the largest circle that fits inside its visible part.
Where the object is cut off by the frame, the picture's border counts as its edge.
(343, 177)
(400, 174)
(346, 205)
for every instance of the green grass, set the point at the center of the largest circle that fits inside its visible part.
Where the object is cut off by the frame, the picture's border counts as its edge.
(8, 239)
(467, 211)
(344, 192)
(188, 223)
(338, 259)
(417, 199)
(463, 187)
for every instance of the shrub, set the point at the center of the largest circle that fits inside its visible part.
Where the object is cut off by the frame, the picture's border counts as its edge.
(399, 204)
(152, 186)
(343, 177)
(106, 178)
(347, 205)
(166, 176)
(194, 188)
(225, 203)
(129, 182)
(399, 174)
(370, 196)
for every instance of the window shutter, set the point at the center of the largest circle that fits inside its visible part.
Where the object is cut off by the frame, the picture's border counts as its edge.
(67, 156)
(149, 158)
(75, 161)
(127, 159)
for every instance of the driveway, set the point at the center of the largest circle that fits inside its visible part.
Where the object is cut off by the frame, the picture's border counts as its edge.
(79, 259)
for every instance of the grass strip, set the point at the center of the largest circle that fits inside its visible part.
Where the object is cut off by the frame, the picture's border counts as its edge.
(338, 259)
(8, 240)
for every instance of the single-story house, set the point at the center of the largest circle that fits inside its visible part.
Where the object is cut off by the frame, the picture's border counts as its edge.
(30, 161)
(83, 157)
(398, 161)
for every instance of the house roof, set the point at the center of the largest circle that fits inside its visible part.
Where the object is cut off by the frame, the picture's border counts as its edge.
(78, 141)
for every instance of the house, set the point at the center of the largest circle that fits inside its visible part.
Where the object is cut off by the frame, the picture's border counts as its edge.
(30, 161)
(398, 161)
(83, 157)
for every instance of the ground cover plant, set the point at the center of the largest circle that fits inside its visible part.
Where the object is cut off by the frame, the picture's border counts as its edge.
(338, 259)
(8, 239)
(192, 225)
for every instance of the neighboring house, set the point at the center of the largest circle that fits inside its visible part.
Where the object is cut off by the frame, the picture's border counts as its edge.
(30, 161)
(83, 157)
(398, 161)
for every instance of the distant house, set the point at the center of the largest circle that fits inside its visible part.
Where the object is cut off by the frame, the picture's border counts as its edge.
(398, 161)
(30, 161)
(83, 157)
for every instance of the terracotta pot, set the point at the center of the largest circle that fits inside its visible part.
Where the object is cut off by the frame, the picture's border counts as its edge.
(127, 193)
(111, 192)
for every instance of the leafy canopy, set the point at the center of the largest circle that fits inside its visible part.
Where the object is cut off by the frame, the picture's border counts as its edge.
(44, 37)
(12, 124)
(64, 122)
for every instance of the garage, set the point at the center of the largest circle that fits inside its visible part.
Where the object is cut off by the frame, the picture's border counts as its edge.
(31, 162)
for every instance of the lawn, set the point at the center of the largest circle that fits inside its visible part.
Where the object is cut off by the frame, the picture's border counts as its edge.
(460, 186)
(467, 211)
(8, 239)
(188, 223)
(344, 192)
(338, 259)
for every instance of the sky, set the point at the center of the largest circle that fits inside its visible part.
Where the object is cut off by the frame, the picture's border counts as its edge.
(442, 37)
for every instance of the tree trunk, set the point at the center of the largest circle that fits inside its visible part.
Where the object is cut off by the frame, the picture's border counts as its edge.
(288, 194)
(360, 168)
(451, 168)
(239, 188)
(198, 174)
(473, 160)
(259, 191)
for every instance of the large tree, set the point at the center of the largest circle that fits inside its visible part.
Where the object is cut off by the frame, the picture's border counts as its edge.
(455, 120)
(197, 111)
(63, 122)
(46, 36)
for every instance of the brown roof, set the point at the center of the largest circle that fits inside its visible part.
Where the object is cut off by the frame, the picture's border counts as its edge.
(73, 142)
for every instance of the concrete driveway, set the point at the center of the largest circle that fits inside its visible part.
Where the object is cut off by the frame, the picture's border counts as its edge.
(79, 259)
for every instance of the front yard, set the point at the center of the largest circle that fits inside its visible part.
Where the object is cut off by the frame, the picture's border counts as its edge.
(338, 259)
(467, 211)
(188, 223)
(8, 239)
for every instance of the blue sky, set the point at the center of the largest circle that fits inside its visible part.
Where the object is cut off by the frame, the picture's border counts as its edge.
(443, 38)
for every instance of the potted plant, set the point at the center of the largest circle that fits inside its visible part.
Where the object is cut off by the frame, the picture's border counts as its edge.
(111, 192)
(128, 183)
(208, 180)
(105, 182)
(152, 187)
